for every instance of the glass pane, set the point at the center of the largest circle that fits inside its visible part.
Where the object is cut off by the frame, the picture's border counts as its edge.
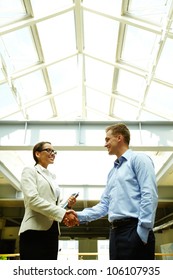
(20, 48)
(69, 102)
(138, 47)
(11, 10)
(149, 10)
(93, 115)
(158, 96)
(26, 89)
(148, 115)
(111, 7)
(100, 34)
(125, 111)
(12, 115)
(40, 111)
(49, 6)
(7, 100)
(64, 74)
(166, 63)
(99, 74)
(59, 44)
(92, 97)
(130, 85)
(1, 75)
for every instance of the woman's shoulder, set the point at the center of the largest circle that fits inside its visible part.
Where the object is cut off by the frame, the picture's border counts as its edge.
(29, 169)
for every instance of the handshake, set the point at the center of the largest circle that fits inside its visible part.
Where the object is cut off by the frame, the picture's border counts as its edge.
(70, 218)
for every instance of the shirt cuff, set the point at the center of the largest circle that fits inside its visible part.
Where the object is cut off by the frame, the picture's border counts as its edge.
(82, 218)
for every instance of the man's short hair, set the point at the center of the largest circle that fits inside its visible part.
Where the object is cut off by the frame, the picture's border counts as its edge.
(120, 128)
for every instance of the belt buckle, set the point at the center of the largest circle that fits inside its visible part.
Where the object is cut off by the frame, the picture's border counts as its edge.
(117, 223)
(113, 226)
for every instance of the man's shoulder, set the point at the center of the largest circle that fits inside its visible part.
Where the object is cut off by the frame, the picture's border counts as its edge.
(135, 154)
(140, 158)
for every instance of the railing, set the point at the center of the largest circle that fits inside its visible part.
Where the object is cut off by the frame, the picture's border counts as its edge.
(17, 255)
(9, 256)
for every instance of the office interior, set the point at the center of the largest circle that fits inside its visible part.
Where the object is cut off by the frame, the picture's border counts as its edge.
(68, 69)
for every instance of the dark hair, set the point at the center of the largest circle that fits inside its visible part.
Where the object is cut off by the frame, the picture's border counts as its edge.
(38, 147)
(122, 129)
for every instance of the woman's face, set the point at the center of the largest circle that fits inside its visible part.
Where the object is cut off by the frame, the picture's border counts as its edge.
(46, 156)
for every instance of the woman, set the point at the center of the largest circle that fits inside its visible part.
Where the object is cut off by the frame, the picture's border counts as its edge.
(40, 225)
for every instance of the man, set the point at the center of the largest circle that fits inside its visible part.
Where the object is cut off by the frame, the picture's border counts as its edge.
(130, 199)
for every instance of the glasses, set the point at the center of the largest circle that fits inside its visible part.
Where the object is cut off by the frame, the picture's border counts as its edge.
(49, 151)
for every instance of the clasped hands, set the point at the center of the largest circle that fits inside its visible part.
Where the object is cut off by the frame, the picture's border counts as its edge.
(70, 218)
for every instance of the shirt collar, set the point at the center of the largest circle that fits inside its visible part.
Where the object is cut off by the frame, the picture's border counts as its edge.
(41, 167)
(44, 170)
(123, 157)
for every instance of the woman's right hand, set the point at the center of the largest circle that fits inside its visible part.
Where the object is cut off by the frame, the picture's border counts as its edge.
(70, 218)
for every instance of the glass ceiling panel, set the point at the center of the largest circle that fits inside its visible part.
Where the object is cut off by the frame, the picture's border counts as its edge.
(25, 86)
(64, 74)
(171, 28)
(48, 6)
(11, 10)
(125, 110)
(98, 74)
(93, 115)
(40, 111)
(138, 47)
(1, 73)
(165, 63)
(130, 85)
(92, 97)
(149, 116)
(15, 116)
(69, 102)
(76, 83)
(149, 10)
(20, 49)
(7, 100)
(6, 64)
(59, 44)
(162, 98)
(111, 7)
(100, 36)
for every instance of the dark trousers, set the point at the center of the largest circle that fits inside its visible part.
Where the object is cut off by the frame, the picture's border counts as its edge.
(125, 244)
(39, 244)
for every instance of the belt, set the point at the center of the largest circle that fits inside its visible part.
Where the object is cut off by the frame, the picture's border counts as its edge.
(122, 222)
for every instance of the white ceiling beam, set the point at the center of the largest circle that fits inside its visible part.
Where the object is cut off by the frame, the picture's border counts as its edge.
(9, 176)
(79, 25)
(155, 135)
(166, 169)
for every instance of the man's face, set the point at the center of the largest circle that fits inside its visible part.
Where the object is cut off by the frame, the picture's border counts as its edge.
(111, 142)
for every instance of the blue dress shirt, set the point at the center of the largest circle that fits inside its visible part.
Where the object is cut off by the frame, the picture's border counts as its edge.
(131, 191)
